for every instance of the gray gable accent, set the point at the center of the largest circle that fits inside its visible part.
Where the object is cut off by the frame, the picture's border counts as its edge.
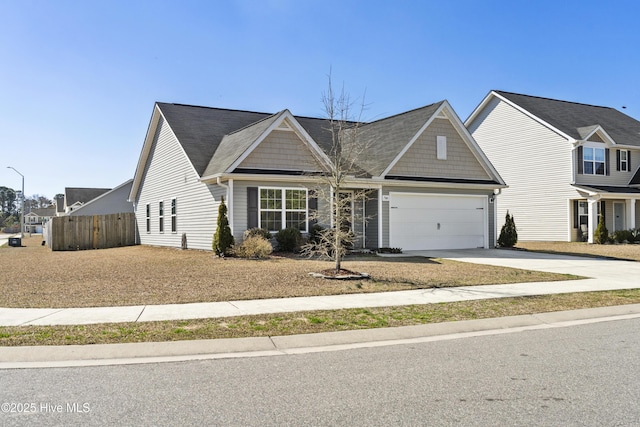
(386, 138)
(571, 117)
(235, 144)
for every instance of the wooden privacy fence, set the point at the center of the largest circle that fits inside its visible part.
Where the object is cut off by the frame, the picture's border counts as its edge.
(72, 233)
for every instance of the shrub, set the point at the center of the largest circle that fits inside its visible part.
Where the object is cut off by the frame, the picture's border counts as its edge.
(622, 236)
(253, 247)
(315, 234)
(289, 239)
(389, 250)
(222, 239)
(601, 235)
(256, 231)
(508, 234)
(635, 235)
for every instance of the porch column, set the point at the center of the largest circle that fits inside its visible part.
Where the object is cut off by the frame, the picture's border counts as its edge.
(593, 218)
(631, 213)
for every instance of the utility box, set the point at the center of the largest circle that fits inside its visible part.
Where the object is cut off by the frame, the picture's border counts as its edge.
(15, 241)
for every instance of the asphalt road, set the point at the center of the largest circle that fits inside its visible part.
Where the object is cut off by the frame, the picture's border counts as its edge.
(587, 375)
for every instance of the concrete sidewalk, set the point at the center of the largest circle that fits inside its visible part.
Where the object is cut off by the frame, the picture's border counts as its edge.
(604, 274)
(179, 351)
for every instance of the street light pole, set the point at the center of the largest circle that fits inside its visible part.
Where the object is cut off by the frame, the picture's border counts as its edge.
(22, 204)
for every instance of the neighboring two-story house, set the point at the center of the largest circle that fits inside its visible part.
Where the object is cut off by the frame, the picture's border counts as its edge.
(36, 218)
(429, 184)
(566, 164)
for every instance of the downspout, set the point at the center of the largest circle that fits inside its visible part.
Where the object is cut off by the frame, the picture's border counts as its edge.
(495, 216)
(364, 228)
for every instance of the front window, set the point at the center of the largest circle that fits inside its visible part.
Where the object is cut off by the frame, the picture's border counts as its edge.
(623, 160)
(148, 218)
(593, 159)
(283, 208)
(174, 222)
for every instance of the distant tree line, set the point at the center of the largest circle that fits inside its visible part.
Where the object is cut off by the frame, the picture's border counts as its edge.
(10, 205)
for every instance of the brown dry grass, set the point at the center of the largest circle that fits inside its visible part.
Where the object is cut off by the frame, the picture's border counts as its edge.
(626, 252)
(35, 276)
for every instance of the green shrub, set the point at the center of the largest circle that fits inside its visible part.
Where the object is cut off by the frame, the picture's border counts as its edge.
(508, 234)
(389, 250)
(253, 247)
(289, 239)
(256, 231)
(222, 239)
(601, 235)
(635, 235)
(315, 234)
(622, 236)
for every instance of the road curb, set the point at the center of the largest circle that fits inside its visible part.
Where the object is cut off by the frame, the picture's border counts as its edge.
(153, 352)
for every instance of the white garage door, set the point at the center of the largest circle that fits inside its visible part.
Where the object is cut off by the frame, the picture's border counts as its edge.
(421, 221)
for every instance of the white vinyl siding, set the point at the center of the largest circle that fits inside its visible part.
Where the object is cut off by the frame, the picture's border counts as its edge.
(536, 164)
(169, 174)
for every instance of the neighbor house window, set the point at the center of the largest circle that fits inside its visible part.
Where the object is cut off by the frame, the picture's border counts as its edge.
(174, 224)
(161, 217)
(148, 218)
(593, 161)
(283, 208)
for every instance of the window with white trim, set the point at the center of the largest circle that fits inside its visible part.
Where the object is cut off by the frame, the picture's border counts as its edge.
(148, 218)
(593, 161)
(281, 208)
(174, 218)
(624, 160)
(161, 217)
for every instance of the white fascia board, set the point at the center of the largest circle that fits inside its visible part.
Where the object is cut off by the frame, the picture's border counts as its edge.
(607, 139)
(449, 185)
(285, 114)
(475, 148)
(211, 179)
(146, 150)
(144, 153)
(412, 140)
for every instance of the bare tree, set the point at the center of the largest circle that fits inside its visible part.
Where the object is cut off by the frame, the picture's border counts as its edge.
(346, 153)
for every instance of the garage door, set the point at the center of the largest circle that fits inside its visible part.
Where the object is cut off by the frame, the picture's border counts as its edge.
(421, 221)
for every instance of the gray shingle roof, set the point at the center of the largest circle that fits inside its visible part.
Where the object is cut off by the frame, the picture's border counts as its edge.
(82, 195)
(200, 130)
(387, 137)
(578, 120)
(214, 138)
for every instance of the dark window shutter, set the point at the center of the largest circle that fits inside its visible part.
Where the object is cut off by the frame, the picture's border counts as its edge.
(252, 207)
(603, 211)
(580, 161)
(575, 214)
(617, 160)
(628, 161)
(606, 161)
(313, 207)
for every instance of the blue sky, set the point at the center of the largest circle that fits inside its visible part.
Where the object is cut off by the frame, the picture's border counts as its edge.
(78, 79)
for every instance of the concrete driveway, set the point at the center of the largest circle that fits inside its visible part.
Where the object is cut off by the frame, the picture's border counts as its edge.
(604, 270)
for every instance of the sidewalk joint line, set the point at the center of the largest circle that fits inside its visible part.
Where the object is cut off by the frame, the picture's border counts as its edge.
(27, 323)
(139, 315)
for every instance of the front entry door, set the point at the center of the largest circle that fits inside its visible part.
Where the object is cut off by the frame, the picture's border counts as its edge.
(618, 216)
